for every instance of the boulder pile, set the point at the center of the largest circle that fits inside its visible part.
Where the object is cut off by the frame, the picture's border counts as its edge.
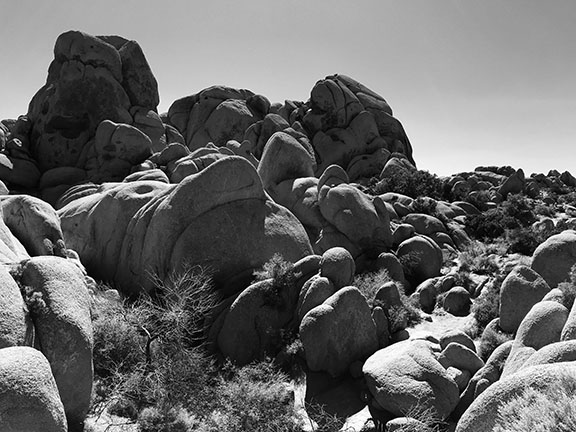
(95, 184)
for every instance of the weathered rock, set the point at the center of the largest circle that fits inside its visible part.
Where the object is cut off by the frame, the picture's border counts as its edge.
(423, 259)
(35, 223)
(338, 265)
(457, 336)
(96, 225)
(338, 332)
(397, 167)
(521, 290)
(363, 221)
(554, 258)
(284, 159)
(404, 423)
(514, 184)
(484, 378)
(541, 326)
(389, 262)
(569, 330)
(19, 172)
(424, 223)
(382, 326)
(11, 250)
(15, 325)
(314, 292)
(460, 377)
(461, 357)
(402, 232)
(347, 120)
(543, 379)
(84, 87)
(216, 114)
(253, 323)
(457, 301)
(29, 399)
(231, 227)
(64, 330)
(406, 376)
(556, 352)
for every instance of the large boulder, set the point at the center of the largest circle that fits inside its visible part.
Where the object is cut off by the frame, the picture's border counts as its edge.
(406, 376)
(421, 258)
(35, 223)
(338, 332)
(521, 290)
(541, 326)
(361, 220)
(96, 219)
(483, 378)
(11, 249)
(543, 380)
(554, 258)
(15, 325)
(91, 79)
(219, 218)
(338, 265)
(555, 352)
(29, 399)
(61, 315)
(252, 326)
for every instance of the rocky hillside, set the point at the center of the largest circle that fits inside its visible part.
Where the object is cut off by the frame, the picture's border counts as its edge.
(231, 230)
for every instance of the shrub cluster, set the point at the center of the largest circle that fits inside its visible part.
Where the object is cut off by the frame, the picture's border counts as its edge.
(152, 366)
(516, 212)
(414, 184)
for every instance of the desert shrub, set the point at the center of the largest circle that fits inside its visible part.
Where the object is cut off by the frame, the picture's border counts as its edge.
(531, 409)
(369, 283)
(408, 313)
(523, 241)
(410, 264)
(414, 184)
(425, 205)
(152, 365)
(515, 212)
(490, 341)
(481, 258)
(479, 199)
(151, 419)
(325, 421)
(544, 210)
(486, 306)
(568, 288)
(255, 398)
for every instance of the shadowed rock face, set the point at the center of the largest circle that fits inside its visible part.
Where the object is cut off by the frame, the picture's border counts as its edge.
(91, 79)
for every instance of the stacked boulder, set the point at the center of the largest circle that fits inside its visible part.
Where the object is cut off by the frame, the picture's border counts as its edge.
(93, 120)
(45, 326)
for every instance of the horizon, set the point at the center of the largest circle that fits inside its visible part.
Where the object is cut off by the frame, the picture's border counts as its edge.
(473, 84)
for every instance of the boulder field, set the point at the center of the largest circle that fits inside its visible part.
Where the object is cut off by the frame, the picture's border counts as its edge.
(95, 184)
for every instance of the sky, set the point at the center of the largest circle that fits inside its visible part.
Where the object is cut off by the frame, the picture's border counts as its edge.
(489, 82)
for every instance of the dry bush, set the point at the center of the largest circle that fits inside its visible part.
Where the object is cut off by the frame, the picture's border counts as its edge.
(486, 306)
(369, 283)
(532, 410)
(152, 366)
(482, 258)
